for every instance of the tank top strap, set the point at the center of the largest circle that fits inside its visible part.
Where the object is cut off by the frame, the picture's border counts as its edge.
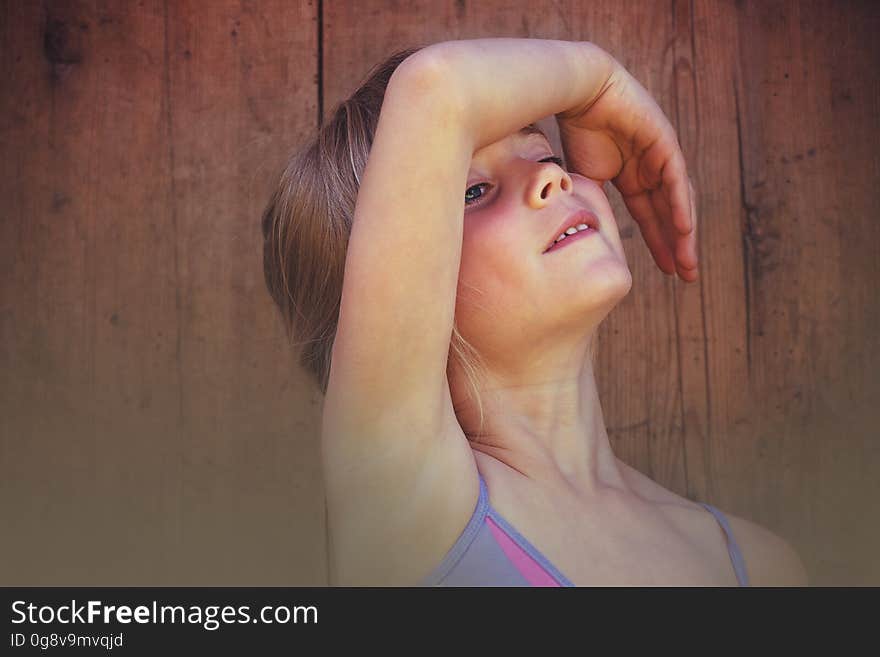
(736, 558)
(468, 534)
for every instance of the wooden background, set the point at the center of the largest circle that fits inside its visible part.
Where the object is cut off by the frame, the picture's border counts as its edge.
(154, 427)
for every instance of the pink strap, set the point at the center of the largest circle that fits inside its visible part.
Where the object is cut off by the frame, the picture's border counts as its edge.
(534, 573)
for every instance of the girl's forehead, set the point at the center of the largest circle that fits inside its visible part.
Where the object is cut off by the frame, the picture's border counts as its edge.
(520, 139)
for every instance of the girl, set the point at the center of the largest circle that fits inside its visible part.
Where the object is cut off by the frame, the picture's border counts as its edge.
(446, 277)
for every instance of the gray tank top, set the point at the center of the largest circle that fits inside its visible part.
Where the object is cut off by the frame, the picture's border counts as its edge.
(491, 552)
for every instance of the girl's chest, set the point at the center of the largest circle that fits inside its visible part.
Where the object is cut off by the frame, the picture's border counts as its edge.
(622, 543)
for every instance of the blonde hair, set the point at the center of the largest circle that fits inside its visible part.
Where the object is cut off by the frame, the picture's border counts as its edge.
(307, 222)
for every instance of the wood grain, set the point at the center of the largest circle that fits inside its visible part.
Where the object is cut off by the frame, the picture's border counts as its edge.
(154, 429)
(154, 426)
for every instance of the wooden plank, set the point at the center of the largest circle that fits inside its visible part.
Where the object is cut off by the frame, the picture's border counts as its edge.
(146, 410)
(75, 210)
(808, 96)
(712, 315)
(238, 104)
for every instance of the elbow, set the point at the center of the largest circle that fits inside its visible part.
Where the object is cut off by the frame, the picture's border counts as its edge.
(427, 80)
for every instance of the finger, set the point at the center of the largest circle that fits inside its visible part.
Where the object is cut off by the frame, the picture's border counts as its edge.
(671, 236)
(686, 249)
(693, 197)
(676, 186)
(687, 243)
(688, 275)
(662, 167)
(683, 246)
(642, 210)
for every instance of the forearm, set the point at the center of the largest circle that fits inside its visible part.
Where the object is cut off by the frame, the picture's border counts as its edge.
(504, 84)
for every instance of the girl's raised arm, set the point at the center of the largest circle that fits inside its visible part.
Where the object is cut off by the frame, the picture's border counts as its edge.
(502, 85)
(400, 477)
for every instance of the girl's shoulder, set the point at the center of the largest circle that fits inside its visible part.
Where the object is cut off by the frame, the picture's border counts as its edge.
(770, 559)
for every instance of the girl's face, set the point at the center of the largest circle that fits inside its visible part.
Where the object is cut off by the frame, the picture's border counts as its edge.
(512, 295)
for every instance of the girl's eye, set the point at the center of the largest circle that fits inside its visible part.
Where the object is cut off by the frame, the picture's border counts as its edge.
(469, 200)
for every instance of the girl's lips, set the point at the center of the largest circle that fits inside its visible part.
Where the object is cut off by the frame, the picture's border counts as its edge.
(573, 238)
(582, 216)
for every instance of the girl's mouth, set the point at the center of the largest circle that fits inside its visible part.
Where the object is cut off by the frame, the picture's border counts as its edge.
(581, 234)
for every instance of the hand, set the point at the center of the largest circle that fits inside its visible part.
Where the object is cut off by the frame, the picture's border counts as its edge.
(623, 136)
